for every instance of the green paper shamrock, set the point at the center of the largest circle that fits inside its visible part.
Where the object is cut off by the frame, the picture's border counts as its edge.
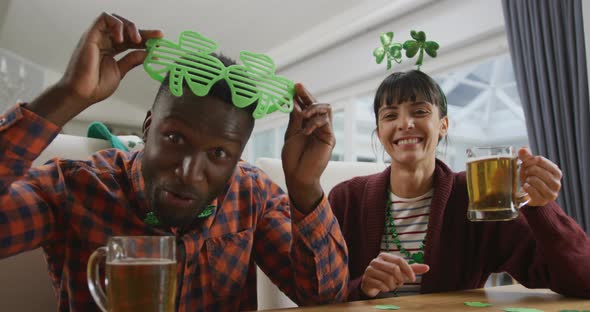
(207, 211)
(388, 48)
(477, 304)
(419, 44)
(189, 61)
(417, 257)
(256, 81)
(151, 219)
(386, 307)
(522, 310)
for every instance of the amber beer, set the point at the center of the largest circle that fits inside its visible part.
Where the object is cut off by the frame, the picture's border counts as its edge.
(492, 187)
(139, 275)
(146, 285)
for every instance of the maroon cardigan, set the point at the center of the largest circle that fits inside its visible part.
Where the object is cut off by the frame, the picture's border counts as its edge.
(542, 248)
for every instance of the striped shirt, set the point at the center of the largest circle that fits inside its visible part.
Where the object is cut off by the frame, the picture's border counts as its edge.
(410, 217)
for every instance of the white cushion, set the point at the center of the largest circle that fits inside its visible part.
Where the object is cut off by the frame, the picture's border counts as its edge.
(336, 171)
(269, 295)
(71, 147)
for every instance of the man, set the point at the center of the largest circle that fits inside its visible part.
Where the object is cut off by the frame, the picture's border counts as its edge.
(226, 214)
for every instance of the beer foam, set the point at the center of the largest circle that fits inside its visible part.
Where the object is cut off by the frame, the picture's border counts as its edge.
(470, 160)
(141, 261)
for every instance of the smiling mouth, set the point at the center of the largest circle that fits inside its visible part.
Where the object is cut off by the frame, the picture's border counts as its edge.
(408, 141)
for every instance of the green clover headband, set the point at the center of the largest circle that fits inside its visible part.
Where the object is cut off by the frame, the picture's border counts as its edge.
(393, 50)
(191, 61)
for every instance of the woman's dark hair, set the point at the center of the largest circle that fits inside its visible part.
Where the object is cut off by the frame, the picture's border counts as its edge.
(408, 86)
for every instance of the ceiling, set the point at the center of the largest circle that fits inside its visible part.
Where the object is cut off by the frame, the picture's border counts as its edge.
(308, 39)
(45, 32)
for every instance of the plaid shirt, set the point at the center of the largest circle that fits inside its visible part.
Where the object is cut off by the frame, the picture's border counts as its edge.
(70, 208)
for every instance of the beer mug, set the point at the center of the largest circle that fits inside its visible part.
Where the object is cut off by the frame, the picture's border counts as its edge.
(493, 184)
(140, 274)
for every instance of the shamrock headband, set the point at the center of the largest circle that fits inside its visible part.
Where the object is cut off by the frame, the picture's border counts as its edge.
(392, 51)
(190, 61)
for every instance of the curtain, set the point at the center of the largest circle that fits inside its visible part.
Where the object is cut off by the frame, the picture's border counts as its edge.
(546, 40)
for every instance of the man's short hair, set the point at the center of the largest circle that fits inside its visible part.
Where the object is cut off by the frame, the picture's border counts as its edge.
(219, 90)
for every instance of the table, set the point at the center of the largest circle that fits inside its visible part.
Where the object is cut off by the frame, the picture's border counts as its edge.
(501, 297)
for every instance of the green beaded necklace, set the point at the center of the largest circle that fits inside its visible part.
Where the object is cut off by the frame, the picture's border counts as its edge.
(417, 257)
(151, 219)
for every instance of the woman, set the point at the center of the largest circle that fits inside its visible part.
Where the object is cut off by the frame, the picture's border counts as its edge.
(406, 228)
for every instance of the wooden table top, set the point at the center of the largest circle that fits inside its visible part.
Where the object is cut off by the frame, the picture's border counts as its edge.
(501, 297)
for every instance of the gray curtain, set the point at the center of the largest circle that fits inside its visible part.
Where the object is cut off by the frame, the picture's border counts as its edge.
(546, 39)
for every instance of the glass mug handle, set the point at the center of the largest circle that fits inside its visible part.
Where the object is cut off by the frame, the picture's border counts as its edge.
(522, 197)
(93, 277)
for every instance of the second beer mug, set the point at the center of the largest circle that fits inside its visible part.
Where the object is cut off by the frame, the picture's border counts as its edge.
(140, 274)
(493, 184)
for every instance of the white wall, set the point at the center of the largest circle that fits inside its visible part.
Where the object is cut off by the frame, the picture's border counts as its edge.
(454, 24)
(80, 127)
(467, 30)
(123, 116)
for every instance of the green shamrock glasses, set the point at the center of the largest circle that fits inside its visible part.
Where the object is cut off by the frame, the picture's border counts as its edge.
(190, 61)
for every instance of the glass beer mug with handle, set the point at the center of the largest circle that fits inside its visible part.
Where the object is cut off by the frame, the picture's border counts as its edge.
(493, 184)
(140, 274)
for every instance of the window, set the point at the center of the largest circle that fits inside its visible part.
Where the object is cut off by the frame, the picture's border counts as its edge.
(264, 144)
(338, 121)
(483, 108)
(20, 80)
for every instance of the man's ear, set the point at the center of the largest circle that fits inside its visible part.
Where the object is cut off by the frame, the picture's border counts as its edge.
(146, 124)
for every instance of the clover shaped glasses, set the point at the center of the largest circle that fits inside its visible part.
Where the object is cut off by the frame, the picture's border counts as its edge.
(190, 61)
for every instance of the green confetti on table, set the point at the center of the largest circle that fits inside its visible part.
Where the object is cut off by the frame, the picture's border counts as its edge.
(477, 304)
(386, 307)
(522, 310)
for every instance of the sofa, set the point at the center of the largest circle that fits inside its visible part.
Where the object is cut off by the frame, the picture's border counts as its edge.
(269, 296)
(25, 282)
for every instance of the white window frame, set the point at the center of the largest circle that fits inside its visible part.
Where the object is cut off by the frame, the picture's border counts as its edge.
(343, 98)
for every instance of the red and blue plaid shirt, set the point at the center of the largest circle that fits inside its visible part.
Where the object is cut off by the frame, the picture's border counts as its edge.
(71, 207)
